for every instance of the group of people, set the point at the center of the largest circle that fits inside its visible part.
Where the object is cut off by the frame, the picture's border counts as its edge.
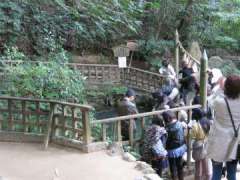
(214, 131)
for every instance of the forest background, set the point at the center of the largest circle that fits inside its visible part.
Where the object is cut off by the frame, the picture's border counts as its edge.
(57, 30)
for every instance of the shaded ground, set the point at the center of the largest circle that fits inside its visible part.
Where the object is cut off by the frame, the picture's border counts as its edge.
(29, 161)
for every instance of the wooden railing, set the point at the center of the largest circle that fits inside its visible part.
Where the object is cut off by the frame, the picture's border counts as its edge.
(35, 120)
(137, 117)
(143, 117)
(111, 74)
(44, 120)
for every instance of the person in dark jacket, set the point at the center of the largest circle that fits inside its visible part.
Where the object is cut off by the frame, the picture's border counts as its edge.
(175, 144)
(188, 83)
(127, 107)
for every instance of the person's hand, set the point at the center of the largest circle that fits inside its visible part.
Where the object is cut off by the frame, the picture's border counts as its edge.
(221, 82)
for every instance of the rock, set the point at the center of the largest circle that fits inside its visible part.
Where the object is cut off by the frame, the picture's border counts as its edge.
(148, 171)
(139, 178)
(128, 157)
(195, 50)
(152, 177)
(115, 149)
(142, 165)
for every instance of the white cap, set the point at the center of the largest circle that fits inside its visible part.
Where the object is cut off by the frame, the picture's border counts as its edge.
(217, 74)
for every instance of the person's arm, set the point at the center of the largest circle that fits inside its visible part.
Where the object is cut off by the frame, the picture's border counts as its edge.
(132, 109)
(171, 69)
(173, 94)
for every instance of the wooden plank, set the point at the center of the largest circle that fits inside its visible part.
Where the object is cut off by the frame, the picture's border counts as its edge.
(24, 117)
(131, 129)
(74, 123)
(119, 131)
(38, 116)
(140, 115)
(86, 107)
(27, 112)
(64, 121)
(104, 132)
(49, 126)
(86, 127)
(10, 116)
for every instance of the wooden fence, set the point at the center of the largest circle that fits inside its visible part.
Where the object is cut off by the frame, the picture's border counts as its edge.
(35, 120)
(101, 74)
(142, 117)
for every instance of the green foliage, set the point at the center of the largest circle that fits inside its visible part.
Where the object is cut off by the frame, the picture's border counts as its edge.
(13, 53)
(153, 49)
(41, 27)
(48, 81)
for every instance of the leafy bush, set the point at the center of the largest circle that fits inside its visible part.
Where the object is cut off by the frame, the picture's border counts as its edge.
(46, 81)
(13, 53)
(40, 27)
(153, 49)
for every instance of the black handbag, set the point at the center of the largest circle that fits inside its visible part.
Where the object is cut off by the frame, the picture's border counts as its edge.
(234, 127)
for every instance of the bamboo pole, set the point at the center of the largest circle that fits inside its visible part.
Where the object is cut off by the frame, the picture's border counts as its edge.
(189, 157)
(204, 80)
(177, 55)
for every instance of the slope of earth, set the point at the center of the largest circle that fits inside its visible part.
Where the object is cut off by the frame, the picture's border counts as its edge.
(30, 161)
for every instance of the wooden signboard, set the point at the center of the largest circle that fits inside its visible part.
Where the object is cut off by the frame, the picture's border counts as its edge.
(121, 51)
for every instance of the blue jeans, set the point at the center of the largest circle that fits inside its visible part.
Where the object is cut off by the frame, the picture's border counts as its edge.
(231, 170)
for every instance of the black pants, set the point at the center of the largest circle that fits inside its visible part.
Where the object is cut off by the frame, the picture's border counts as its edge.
(176, 167)
(157, 165)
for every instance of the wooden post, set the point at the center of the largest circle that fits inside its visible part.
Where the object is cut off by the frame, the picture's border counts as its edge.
(204, 80)
(86, 127)
(24, 118)
(104, 132)
(189, 140)
(131, 137)
(177, 54)
(142, 126)
(38, 116)
(10, 116)
(74, 123)
(119, 131)
(49, 126)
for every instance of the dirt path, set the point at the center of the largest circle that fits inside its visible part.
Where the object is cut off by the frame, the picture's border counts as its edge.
(29, 161)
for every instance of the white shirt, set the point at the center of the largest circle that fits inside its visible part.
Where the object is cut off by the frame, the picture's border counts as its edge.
(168, 71)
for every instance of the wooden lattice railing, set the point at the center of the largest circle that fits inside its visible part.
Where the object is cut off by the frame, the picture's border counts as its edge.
(44, 120)
(35, 120)
(111, 74)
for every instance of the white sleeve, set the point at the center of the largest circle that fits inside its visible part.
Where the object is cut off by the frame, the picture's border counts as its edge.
(173, 94)
(171, 69)
(161, 70)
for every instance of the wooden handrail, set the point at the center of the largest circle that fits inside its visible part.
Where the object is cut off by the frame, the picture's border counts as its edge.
(188, 54)
(141, 115)
(85, 107)
(148, 72)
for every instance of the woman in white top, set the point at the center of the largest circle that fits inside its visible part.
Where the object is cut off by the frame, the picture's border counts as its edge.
(167, 70)
(222, 132)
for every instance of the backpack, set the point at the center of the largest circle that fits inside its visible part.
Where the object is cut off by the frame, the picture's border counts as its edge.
(175, 137)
